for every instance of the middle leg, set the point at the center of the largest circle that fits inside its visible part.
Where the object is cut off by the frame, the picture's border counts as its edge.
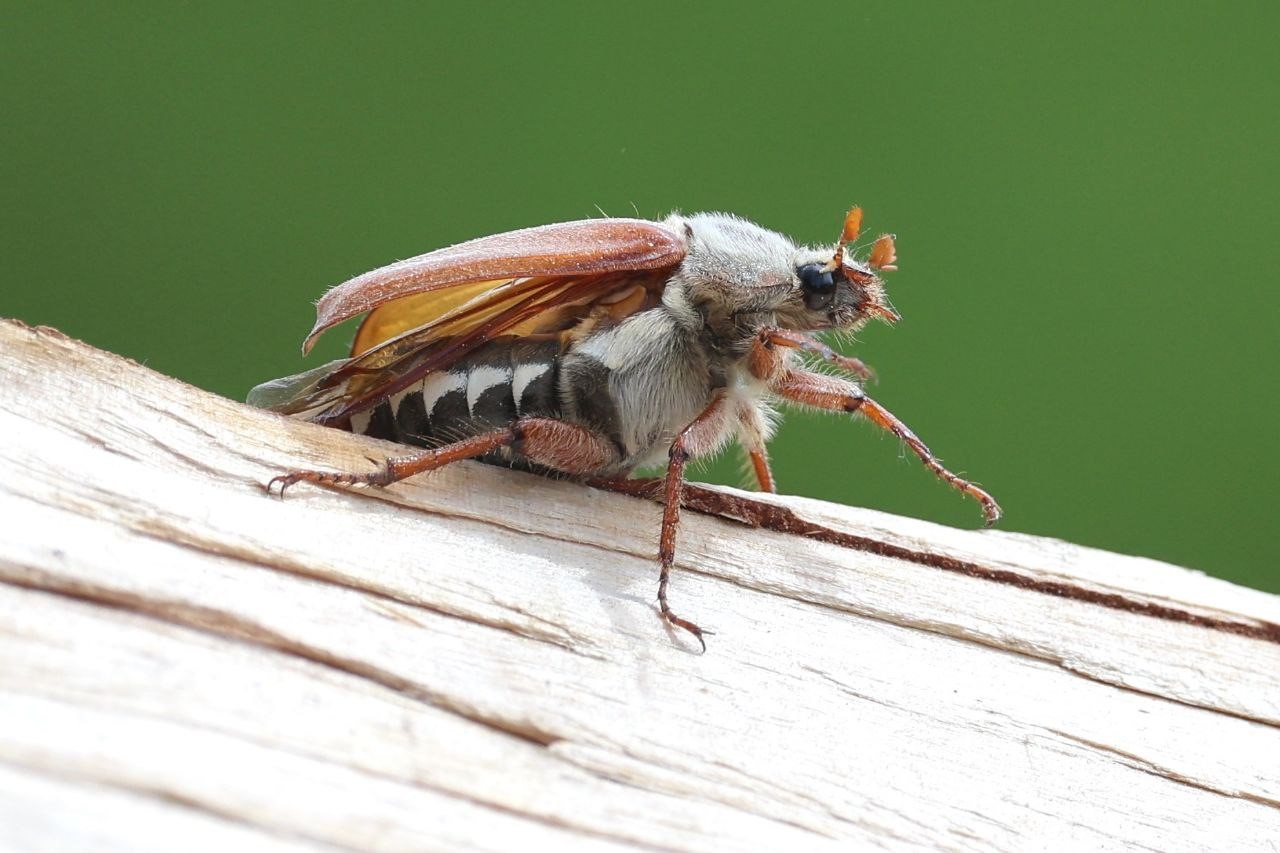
(700, 437)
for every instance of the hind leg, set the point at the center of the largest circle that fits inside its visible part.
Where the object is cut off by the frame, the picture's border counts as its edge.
(547, 442)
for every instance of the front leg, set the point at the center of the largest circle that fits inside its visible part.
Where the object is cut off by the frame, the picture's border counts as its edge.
(832, 394)
(753, 431)
(766, 356)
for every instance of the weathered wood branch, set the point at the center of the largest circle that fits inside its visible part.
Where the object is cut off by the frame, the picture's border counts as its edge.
(474, 659)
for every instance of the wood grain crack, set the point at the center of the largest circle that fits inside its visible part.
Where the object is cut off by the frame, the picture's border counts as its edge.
(1137, 762)
(223, 624)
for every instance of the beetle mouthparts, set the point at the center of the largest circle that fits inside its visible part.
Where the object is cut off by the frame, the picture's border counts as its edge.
(884, 312)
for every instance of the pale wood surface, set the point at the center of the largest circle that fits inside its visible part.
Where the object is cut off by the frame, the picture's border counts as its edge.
(474, 659)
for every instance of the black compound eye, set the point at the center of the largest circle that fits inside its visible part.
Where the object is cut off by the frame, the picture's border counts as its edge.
(819, 287)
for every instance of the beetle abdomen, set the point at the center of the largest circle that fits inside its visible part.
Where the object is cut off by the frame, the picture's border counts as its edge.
(490, 388)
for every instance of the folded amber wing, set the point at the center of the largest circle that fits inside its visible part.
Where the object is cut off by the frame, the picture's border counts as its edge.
(425, 313)
(588, 247)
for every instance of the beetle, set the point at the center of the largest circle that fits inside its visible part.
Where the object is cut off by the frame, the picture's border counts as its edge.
(591, 349)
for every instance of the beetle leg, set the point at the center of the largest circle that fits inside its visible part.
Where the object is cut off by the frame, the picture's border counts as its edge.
(697, 439)
(553, 444)
(752, 429)
(565, 447)
(765, 358)
(760, 467)
(834, 394)
(398, 468)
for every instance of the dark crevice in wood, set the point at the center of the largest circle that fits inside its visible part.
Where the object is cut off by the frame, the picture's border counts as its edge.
(780, 519)
(162, 530)
(1137, 762)
(221, 623)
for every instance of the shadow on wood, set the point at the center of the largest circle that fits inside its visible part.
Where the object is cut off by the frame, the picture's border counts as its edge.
(474, 659)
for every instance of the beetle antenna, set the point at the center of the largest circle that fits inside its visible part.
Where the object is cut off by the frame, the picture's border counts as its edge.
(884, 254)
(852, 227)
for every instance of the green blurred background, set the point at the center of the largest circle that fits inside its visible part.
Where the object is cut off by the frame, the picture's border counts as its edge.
(1084, 195)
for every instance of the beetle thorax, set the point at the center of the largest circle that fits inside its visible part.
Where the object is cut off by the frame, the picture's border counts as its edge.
(733, 277)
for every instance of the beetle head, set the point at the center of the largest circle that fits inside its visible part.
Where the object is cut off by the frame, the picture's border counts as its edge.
(841, 291)
(740, 277)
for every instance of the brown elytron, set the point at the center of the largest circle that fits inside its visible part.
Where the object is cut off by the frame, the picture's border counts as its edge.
(596, 348)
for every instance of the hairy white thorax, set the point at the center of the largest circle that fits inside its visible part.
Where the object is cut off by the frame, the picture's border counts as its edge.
(732, 251)
(665, 365)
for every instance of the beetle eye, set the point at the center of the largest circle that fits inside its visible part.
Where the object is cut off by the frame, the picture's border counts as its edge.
(818, 286)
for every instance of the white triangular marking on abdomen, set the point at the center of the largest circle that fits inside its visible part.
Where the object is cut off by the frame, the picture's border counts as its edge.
(436, 385)
(481, 378)
(524, 375)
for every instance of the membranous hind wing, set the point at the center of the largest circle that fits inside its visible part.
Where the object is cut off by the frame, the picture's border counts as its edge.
(426, 312)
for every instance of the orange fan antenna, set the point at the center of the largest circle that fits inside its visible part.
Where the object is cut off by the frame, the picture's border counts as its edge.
(852, 227)
(884, 254)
